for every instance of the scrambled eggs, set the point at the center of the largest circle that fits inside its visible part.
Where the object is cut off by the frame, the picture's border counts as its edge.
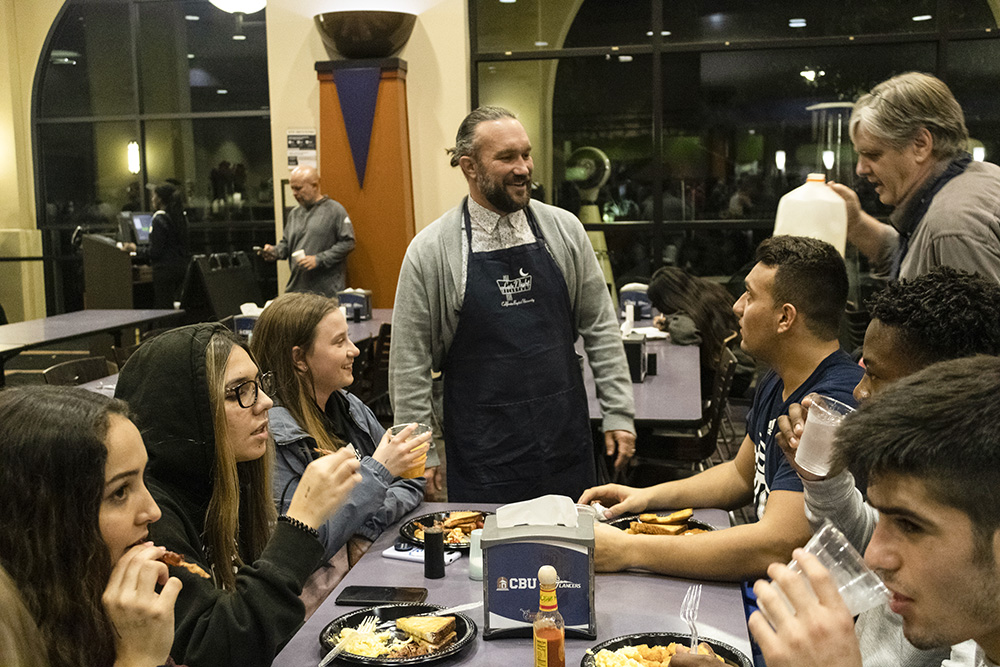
(370, 645)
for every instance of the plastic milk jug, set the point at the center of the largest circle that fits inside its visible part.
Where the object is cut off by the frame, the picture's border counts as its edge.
(813, 210)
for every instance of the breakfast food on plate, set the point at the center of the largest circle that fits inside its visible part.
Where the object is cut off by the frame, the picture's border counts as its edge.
(679, 516)
(456, 526)
(675, 523)
(644, 655)
(432, 632)
(638, 527)
(177, 560)
(424, 635)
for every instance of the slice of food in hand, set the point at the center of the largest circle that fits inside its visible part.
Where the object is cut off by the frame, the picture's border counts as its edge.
(637, 527)
(175, 559)
(436, 631)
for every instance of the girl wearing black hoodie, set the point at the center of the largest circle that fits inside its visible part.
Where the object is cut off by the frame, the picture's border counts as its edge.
(200, 402)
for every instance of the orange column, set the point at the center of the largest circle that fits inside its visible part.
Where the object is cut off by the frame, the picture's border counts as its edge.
(382, 211)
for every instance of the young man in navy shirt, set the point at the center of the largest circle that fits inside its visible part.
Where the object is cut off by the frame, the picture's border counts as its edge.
(789, 320)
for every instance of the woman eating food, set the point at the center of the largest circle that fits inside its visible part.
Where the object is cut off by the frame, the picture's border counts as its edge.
(303, 340)
(201, 403)
(74, 530)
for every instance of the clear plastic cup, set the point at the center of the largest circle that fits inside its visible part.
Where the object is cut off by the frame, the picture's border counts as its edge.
(816, 444)
(857, 583)
(476, 554)
(417, 470)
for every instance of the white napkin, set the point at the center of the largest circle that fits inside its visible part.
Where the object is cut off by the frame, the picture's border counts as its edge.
(550, 510)
(652, 333)
(629, 324)
(250, 308)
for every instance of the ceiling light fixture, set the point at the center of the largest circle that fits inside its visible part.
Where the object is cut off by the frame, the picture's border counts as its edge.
(624, 59)
(829, 159)
(222, 91)
(808, 74)
(796, 23)
(192, 17)
(133, 157)
(541, 43)
(240, 6)
(779, 160)
(923, 17)
(978, 153)
(507, 2)
(239, 38)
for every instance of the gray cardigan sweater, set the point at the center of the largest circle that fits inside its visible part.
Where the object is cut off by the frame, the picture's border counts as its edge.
(429, 299)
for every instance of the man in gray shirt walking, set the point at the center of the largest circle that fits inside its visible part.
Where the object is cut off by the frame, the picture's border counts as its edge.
(318, 237)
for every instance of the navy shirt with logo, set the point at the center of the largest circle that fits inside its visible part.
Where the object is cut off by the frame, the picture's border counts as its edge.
(836, 376)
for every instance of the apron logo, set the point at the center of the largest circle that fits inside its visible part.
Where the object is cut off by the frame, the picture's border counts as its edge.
(509, 288)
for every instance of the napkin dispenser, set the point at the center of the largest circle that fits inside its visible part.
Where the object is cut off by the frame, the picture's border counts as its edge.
(636, 295)
(635, 353)
(511, 558)
(358, 303)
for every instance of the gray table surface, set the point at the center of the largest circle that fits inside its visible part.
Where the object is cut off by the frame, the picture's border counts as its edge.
(20, 336)
(673, 394)
(625, 603)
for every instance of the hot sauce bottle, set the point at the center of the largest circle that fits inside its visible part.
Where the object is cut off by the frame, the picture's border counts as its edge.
(549, 629)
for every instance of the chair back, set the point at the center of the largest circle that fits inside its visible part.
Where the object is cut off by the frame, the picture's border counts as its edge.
(123, 353)
(379, 402)
(715, 410)
(76, 372)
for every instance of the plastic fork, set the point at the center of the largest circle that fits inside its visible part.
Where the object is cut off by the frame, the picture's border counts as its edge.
(689, 612)
(367, 626)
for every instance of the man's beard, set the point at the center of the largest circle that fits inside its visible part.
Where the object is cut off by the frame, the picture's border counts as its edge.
(495, 192)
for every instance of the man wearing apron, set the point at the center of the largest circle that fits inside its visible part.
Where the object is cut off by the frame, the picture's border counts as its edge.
(493, 295)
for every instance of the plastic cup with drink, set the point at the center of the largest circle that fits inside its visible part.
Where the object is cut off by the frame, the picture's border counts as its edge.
(418, 469)
(858, 585)
(816, 444)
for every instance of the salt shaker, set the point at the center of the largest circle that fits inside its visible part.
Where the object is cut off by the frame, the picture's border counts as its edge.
(433, 553)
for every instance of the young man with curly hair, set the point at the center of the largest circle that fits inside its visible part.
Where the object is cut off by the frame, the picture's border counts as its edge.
(942, 315)
(928, 451)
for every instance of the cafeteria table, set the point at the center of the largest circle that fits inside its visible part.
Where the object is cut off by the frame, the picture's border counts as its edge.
(673, 394)
(20, 336)
(625, 603)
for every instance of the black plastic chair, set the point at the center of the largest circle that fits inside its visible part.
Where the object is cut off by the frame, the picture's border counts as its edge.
(77, 371)
(690, 444)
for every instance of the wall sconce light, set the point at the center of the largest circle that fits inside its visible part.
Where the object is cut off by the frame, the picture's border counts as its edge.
(133, 157)
(828, 159)
(779, 160)
(978, 153)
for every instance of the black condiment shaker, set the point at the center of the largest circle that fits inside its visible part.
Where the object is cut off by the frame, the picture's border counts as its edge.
(433, 553)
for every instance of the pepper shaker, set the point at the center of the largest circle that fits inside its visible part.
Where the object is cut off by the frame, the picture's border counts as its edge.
(433, 553)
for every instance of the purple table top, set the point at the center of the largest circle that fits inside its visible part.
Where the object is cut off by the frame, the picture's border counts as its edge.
(625, 603)
(25, 335)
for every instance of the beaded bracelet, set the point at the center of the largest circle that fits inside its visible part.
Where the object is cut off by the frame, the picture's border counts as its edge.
(298, 524)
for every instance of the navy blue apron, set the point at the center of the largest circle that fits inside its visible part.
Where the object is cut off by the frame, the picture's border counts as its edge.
(516, 422)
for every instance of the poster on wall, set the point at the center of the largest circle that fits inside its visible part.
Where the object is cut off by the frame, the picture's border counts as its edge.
(301, 148)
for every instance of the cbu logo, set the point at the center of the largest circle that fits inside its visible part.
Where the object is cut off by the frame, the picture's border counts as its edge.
(519, 284)
(516, 583)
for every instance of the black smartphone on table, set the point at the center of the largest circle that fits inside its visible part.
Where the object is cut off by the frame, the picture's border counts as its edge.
(368, 595)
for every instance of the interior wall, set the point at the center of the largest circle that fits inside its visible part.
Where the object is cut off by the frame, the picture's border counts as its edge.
(437, 91)
(23, 29)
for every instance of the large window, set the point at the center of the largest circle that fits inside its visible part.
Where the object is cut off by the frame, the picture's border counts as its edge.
(135, 92)
(708, 111)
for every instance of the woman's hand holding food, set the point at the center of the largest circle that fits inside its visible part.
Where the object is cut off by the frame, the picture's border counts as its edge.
(617, 498)
(398, 454)
(325, 485)
(143, 618)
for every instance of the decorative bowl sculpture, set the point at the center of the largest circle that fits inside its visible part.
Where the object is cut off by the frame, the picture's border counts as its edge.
(365, 34)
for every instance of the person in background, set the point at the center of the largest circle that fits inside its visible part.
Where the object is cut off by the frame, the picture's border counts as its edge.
(303, 340)
(910, 136)
(74, 535)
(167, 252)
(494, 294)
(21, 643)
(696, 312)
(789, 320)
(941, 315)
(927, 449)
(199, 400)
(320, 228)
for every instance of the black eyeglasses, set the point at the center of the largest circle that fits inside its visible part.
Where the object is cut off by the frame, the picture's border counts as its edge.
(245, 393)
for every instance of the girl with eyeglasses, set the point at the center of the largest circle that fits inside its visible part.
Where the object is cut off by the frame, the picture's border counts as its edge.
(303, 339)
(201, 403)
(74, 535)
